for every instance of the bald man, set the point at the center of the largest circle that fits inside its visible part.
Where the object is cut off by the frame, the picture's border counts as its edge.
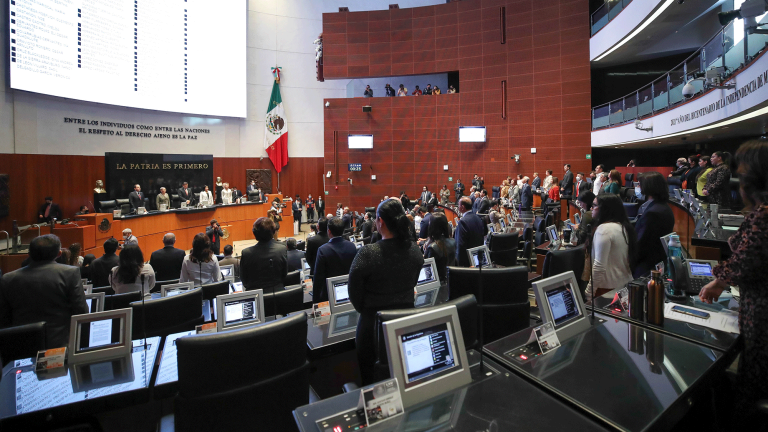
(167, 261)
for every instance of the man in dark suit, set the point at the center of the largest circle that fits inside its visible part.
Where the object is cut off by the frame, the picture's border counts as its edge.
(296, 207)
(654, 220)
(320, 208)
(536, 181)
(426, 195)
(346, 217)
(333, 259)
(367, 228)
(185, 194)
(136, 198)
(101, 267)
(214, 232)
(314, 242)
(458, 189)
(581, 183)
(252, 187)
(469, 232)
(43, 291)
(294, 255)
(265, 264)
(167, 261)
(48, 211)
(526, 195)
(426, 218)
(566, 186)
(485, 204)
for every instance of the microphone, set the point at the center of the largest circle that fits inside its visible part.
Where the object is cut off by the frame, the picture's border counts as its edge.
(480, 305)
(274, 302)
(589, 236)
(143, 313)
(92, 206)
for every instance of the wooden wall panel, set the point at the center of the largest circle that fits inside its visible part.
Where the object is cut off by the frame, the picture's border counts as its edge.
(545, 62)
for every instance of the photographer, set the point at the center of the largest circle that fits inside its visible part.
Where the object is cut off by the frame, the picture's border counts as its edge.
(214, 233)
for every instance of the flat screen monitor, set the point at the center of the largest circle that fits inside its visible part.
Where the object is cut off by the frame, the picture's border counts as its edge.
(344, 322)
(426, 353)
(95, 302)
(428, 272)
(425, 298)
(552, 234)
(156, 70)
(509, 218)
(87, 288)
(99, 335)
(491, 229)
(227, 270)
(304, 264)
(360, 141)
(358, 245)
(479, 256)
(472, 134)
(239, 309)
(560, 303)
(176, 289)
(338, 294)
(699, 268)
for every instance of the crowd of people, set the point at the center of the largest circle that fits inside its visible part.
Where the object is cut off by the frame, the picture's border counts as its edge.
(390, 91)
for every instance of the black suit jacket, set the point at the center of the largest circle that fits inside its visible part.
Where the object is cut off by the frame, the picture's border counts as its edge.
(54, 213)
(367, 229)
(425, 197)
(136, 199)
(167, 263)
(313, 244)
(566, 186)
(188, 196)
(347, 219)
(655, 221)
(484, 206)
(581, 187)
(458, 189)
(43, 291)
(101, 268)
(215, 245)
(294, 260)
(526, 197)
(469, 233)
(424, 225)
(320, 209)
(536, 183)
(333, 259)
(256, 271)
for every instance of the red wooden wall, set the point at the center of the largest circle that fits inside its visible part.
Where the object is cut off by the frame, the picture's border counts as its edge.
(70, 180)
(545, 62)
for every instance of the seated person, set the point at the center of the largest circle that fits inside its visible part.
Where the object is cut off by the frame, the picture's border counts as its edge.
(333, 259)
(49, 211)
(129, 238)
(83, 210)
(200, 266)
(167, 261)
(230, 260)
(294, 255)
(43, 291)
(131, 274)
(85, 269)
(102, 266)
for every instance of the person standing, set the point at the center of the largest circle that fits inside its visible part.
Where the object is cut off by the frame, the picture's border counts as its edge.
(131, 274)
(206, 197)
(49, 211)
(428, 90)
(185, 194)
(548, 180)
(296, 209)
(162, 198)
(136, 198)
(426, 195)
(581, 184)
(214, 233)
(583, 230)
(294, 255)
(310, 203)
(382, 277)
(320, 207)
(333, 259)
(200, 266)
(718, 187)
(230, 260)
(614, 184)
(102, 266)
(389, 90)
(402, 91)
(226, 194)
(315, 242)
(367, 228)
(746, 269)
(368, 92)
(654, 220)
(613, 247)
(526, 195)
(265, 264)
(597, 185)
(445, 195)
(536, 181)
(275, 217)
(441, 246)
(167, 261)
(566, 186)
(469, 231)
(416, 92)
(129, 238)
(701, 177)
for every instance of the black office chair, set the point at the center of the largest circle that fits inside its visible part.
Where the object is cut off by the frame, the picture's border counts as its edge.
(107, 290)
(168, 315)
(262, 395)
(292, 278)
(370, 210)
(561, 261)
(496, 192)
(539, 224)
(301, 245)
(159, 284)
(631, 209)
(124, 205)
(21, 342)
(197, 196)
(289, 300)
(366, 240)
(211, 290)
(175, 201)
(628, 194)
(107, 206)
(121, 301)
(628, 178)
(505, 304)
(525, 254)
(527, 233)
(466, 307)
(503, 248)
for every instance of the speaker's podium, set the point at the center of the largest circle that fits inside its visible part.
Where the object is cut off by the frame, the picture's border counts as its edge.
(104, 226)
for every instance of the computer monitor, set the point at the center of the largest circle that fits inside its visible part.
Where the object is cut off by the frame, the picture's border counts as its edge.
(235, 287)
(426, 354)
(428, 272)
(338, 294)
(552, 234)
(304, 264)
(95, 302)
(428, 285)
(491, 229)
(344, 322)
(87, 288)
(509, 218)
(665, 242)
(175, 289)
(227, 270)
(358, 244)
(99, 335)
(239, 309)
(502, 223)
(560, 303)
(479, 256)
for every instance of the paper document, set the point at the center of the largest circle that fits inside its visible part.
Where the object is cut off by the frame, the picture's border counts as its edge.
(724, 321)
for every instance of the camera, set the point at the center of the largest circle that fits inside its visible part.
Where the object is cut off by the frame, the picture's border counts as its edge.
(689, 91)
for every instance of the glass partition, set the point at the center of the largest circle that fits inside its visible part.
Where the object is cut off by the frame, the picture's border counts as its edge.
(645, 101)
(606, 13)
(733, 46)
(660, 94)
(676, 83)
(713, 52)
(630, 107)
(600, 116)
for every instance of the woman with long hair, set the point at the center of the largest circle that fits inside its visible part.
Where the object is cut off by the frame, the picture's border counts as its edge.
(200, 266)
(718, 187)
(554, 191)
(442, 246)
(614, 184)
(382, 277)
(689, 176)
(85, 269)
(74, 258)
(746, 269)
(131, 273)
(701, 177)
(613, 246)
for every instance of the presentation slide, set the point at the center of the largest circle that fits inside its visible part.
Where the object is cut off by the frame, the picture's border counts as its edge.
(177, 56)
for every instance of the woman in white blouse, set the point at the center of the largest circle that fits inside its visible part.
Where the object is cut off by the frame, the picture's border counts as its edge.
(200, 266)
(131, 273)
(613, 245)
(206, 197)
(226, 194)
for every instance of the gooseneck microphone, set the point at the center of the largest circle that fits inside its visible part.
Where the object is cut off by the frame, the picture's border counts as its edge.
(274, 302)
(92, 206)
(480, 304)
(143, 313)
(589, 236)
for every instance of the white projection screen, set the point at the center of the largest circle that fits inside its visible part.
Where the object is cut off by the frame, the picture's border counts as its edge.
(360, 141)
(472, 134)
(177, 56)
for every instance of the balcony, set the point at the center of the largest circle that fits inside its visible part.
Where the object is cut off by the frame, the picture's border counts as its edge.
(605, 13)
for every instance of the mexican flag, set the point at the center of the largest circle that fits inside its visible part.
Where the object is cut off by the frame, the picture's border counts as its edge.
(276, 130)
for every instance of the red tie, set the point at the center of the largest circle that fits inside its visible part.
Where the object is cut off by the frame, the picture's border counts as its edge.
(48, 210)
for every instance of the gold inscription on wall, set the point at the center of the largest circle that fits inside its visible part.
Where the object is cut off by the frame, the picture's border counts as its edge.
(165, 166)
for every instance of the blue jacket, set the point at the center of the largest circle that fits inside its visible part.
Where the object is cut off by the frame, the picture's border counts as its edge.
(424, 225)
(333, 259)
(526, 197)
(469, 233)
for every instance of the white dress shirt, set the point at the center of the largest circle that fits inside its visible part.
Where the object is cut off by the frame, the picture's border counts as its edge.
(610, 257)
(149, 281)
(597, 184)
(226, 196)
(547, 182)
(205, 273)
(206, 198)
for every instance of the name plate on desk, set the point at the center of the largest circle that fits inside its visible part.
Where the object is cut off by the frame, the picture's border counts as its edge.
(206, 328)
(116, 214)
(321, 309)
(50, 359)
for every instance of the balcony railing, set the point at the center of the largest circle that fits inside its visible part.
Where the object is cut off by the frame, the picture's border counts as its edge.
(606, 13)
(667, 91)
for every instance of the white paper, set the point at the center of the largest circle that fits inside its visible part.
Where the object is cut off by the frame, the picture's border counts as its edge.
(724, 321)
(101, 333)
